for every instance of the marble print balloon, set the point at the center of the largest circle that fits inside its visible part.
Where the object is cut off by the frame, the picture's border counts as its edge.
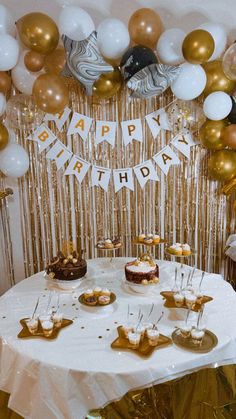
(84, 61)
(152, 80)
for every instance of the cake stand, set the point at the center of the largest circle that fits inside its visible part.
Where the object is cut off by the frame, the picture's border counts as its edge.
(111, 252)
(183, 258)
(136, 242)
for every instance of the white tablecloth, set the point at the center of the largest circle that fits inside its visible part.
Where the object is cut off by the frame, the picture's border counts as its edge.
(78, 371)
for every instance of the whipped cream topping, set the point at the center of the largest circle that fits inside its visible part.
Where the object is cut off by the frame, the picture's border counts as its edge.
(142, 267)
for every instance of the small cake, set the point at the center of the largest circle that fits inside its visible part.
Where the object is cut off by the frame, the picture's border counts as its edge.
(108, 244)
(142, 271)
(186, 250)
(172, 249)
(104, 300)
(156, 238)
(178, 250)
(67, 267)
(106, 291)
(141, 237)
(97, 291)
(116, 243)
(88, 293)
(91, 301)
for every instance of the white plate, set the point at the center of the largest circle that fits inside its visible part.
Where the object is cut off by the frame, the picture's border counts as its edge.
(140, 288)
(63, 285)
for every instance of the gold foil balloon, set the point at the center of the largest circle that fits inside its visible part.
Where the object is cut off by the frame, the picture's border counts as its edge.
(216, 78)
(145, 27)
(34, 61)
(222, 165)
(229, 136)
(107, 85)
(4, 136)
(50, 93)
(5, 82)
(55, 62)
(38, 32)
(198, 46)
(23, 113)
(211, 134)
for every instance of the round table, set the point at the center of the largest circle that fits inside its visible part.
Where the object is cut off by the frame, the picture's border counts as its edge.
(79, 371)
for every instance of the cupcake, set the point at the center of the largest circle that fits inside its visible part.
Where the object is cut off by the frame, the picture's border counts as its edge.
(179, 299)
(106, 291)
(88, 293)
(186, 250)
(178, 250)
(91, 301)
(104, 300)
(156, 238)
(141, 237)
(197, 336)
(148, 240)
(97, 291)
(153, 337)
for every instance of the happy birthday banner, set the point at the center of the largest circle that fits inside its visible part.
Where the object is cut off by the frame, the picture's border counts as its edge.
(106, 131)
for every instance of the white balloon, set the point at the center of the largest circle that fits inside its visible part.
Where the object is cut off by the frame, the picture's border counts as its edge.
(113, 38)
(190, 83)
(219, 35)
(14, 160)
(3, 104)
(7, 24)
(75, 23)
(22, 78)
(9, 52)
(169, 46)
(217, 106)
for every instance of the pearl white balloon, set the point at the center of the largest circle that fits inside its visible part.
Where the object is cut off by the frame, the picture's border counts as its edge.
(219, 35)
(113, 38)
(190, 83)
(75, 23)
(14, 160)
(22, 78)
(3, 104)
(7, 24)
(169, 46)
(217, 106)
(9, 52)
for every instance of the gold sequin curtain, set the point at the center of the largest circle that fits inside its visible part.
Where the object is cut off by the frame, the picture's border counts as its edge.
(184, 206)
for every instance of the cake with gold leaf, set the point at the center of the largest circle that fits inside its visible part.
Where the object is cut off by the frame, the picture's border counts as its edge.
(67, 267)
(143, 270)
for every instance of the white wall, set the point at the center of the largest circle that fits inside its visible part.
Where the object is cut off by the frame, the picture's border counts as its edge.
(186, 14)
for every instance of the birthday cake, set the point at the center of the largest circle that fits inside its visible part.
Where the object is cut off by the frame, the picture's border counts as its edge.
(67, 268)
(143, 271)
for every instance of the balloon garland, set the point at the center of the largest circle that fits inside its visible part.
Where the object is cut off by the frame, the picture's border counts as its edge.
(146, 57)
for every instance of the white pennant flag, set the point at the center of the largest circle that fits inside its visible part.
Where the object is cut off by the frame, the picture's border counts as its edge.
(183, 142)
(101, 177)
(166, 158)
(105, 131)
(58, 118)
(77, 167)
(123, 178)
(43, 136)
(80, 124)
(158, 120)
(60, 153)
(144, 172)
(132, 130)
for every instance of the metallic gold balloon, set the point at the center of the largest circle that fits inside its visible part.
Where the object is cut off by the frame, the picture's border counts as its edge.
(5, 83)
(34, 61)
(107, 85)
(210, 134)
(145, 27)
(229, 187)
(55, 62)
(50, 93)
(198, 46)
(216, 78)
(229, 136)
(38, 32)
(4, 136)
(222, 165)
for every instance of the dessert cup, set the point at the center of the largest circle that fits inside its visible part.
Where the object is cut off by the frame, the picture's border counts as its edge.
(153, 337)
(47, 327)
(134, 339)
(32, 325)
(44, 318)
(106, 291)
(97, 291)
(190, 300)
(57, 319)
(127, 328)
(179, 299)
(197, 336)
(148, 326)
(140, 330)
(185, 330)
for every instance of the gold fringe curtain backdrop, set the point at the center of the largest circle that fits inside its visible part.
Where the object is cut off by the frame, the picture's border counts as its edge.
(184, 206)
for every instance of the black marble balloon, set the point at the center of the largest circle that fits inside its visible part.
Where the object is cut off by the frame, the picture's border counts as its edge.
(232, 116)
(135, 59)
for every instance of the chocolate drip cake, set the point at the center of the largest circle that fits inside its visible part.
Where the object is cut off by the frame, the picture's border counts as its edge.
(142, 271)
(67, 268)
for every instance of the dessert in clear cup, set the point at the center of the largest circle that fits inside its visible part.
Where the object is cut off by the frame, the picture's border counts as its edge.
(185, 329)
(57, 319)
(179, 299)
(197, 336)
(143, 271)
(109, 243)
(178, 249)
(127, 328)
(134, 339)
(190, 299)
(32, 325)
(47, 326)
(153, 336)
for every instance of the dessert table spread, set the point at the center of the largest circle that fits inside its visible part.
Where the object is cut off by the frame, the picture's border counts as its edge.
(79, 371)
